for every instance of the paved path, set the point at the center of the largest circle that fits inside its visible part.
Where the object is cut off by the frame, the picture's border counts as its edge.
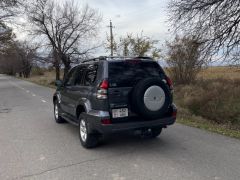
(33, 146)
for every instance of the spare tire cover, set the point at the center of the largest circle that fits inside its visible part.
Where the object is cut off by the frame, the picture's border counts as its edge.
(151, 98)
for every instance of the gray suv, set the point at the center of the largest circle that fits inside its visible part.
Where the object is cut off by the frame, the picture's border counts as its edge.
(115, 94)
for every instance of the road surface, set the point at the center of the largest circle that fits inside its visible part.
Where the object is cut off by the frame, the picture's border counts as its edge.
(33, 146)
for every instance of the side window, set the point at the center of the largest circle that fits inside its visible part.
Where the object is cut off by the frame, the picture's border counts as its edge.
(69, 81)
(79, 76)
(90, 75)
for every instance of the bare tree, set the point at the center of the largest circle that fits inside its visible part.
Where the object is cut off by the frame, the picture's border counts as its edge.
(66, 27)
(6, 11)
(7, 8)
(18, 57)
(9, 63)
(26, 56)
(184, 59)
(215, 21)
(138, 45)
(6, 37)
(14, 56)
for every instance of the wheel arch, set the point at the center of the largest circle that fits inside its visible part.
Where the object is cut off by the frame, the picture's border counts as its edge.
(80, 109)
(83, 106)
(54, 98)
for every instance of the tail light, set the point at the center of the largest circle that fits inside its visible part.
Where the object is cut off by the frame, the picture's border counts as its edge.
(174, 114)
(104, 84)
(169, 82)
(106, 121)
(103, 90)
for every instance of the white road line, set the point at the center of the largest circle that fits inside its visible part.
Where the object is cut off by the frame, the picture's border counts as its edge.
(14, 84)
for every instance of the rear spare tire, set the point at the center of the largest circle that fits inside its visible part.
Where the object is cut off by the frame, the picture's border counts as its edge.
(151, 98)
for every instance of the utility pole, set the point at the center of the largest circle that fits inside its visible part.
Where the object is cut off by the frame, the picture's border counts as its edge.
(111, 37)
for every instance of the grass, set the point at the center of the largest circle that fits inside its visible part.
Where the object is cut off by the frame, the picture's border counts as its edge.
(47, 78)
(187, 118)
(217, 100)
(220, 73)
(212, 102)
(212, 127)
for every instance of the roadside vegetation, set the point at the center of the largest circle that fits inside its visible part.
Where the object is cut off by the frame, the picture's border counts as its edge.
(43, 76)
(212, 102)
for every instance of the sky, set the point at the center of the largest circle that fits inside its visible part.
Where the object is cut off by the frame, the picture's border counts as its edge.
(128, 16)
(133, 16)
(149, 16)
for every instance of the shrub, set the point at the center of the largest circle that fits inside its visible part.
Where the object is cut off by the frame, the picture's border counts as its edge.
(183, 58)
(214, 99)
(37, 71)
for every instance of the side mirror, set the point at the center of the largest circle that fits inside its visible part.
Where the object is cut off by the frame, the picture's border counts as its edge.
(58, 83)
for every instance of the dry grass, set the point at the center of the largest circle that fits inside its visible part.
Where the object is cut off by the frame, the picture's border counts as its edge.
(46, 79)
(220, 73)
(214, 98)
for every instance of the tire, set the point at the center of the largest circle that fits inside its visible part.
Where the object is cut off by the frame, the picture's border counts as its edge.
(57, 116)
(155, 132)
(151, 98)
(87, 139)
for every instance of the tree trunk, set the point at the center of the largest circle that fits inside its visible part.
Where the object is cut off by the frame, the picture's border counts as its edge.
(57, 68)
(67, 65)
(56, 65)
(66, 69)
(28, 71)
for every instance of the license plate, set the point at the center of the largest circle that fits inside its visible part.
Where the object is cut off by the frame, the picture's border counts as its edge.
(118, 113)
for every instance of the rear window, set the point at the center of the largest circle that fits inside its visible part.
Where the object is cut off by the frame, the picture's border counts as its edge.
(127, 73)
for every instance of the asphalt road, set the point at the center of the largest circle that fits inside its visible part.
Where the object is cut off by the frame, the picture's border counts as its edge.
(33, 146)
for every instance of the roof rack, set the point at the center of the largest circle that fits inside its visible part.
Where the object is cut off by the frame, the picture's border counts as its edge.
(101, 58)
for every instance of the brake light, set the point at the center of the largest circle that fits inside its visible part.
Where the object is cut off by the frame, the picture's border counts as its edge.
(174, 114)
(104, 84)
(169, 82)
(103, 90)
(106, 121)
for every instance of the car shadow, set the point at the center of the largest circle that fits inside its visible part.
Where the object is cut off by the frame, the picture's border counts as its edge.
(128, 140)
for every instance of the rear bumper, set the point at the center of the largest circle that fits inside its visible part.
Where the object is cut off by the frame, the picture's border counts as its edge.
(95, 124)
(136, 125)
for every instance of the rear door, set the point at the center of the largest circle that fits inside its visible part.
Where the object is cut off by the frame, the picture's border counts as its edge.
(74, 92)
(124, 75)
(89, 79)
(84, 78)
(66, 90)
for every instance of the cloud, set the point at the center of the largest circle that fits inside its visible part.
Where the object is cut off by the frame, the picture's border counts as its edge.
(131, 16)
